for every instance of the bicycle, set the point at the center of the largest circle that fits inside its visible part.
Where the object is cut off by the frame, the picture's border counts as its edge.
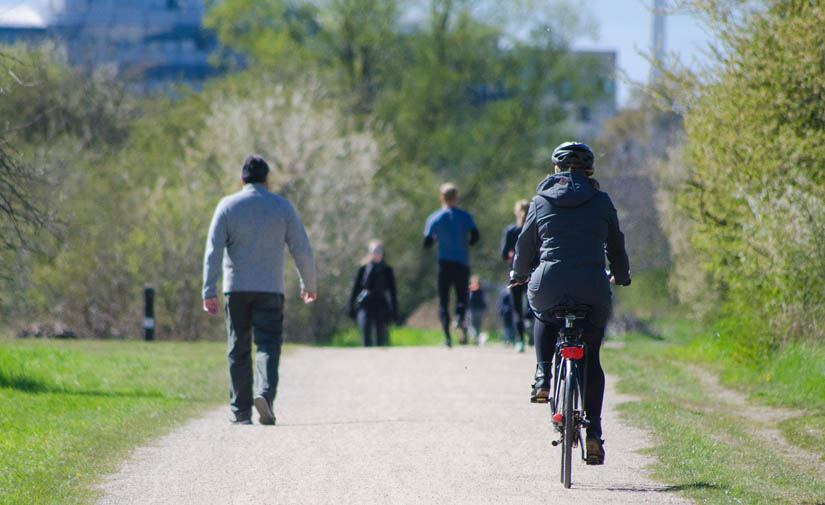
(569, 387)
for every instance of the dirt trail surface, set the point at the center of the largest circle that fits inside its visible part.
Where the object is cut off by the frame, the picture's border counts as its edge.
(388, 426)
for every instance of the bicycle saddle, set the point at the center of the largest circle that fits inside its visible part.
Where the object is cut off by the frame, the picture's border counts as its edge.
(580, 311)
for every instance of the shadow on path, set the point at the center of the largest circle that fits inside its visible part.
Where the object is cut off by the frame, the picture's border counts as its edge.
(651, 489)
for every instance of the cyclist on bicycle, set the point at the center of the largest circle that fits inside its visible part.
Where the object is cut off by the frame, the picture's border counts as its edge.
(571, 223)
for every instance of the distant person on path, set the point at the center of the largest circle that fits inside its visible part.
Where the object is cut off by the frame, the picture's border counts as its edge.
(253, 226)
(508, 252)
(478, 307)
(455, 231)
(373, 301)
(505, 313)
(571, 223)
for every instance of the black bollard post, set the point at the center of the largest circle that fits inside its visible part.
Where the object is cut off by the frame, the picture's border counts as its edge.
(149, 313)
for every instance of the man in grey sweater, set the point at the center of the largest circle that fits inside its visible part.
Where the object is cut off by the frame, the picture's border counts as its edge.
(253, 226)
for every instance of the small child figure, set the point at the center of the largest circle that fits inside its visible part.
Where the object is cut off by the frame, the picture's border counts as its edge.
(478, 306)
(505, 312)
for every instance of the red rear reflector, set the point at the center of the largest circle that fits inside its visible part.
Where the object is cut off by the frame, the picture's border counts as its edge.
(557, 418)
(572, 352)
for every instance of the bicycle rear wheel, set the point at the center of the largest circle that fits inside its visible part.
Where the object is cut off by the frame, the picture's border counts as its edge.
(569, 424)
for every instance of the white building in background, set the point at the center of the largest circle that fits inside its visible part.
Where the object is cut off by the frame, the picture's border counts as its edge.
(154, 42)
(158, 40)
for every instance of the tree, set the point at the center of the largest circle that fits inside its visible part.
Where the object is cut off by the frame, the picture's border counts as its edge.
(20, 212)
(755, 187)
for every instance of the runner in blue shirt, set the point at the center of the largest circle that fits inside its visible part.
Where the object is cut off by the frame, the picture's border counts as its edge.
(455, 231)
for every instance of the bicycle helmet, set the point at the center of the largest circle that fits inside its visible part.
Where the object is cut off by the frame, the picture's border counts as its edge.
(574, 156)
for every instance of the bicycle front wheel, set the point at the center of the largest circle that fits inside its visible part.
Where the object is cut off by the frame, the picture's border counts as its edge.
(569, 426)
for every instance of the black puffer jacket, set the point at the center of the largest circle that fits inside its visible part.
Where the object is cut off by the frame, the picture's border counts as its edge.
(570, 223)
(377, 283)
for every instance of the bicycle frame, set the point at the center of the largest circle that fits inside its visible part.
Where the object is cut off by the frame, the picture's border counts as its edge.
(569, 352)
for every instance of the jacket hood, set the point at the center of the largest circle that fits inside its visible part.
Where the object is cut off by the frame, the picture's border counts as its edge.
(566, 189)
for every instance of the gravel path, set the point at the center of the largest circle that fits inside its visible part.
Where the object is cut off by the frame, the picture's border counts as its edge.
(388, 426)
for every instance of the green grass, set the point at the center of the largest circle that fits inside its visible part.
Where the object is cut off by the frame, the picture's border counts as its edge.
(399, 336)
(791, 377)
(702, 450)
(807, 432)
(68, 409)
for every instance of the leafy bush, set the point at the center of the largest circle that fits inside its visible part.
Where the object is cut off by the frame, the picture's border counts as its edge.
(755, 152)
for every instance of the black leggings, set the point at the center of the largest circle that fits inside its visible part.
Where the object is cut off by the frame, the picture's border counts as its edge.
(545, 336)
(452, 274)
(516, 296)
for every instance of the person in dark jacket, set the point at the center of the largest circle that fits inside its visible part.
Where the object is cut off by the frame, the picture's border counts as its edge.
(505, 313)
(478, 307)
(571, 223)
(373, 301)
(508, 252)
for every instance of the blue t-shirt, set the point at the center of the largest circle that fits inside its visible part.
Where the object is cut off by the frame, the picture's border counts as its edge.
(450, 227)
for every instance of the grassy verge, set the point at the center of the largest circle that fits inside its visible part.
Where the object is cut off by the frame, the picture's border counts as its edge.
(69, 409)
(792, 377)
(399, 336)
(702, 449)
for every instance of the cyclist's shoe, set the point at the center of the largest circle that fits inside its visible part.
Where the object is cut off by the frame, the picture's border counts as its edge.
(541, 386)
(264, 410)
(595, 451)
(540, 395)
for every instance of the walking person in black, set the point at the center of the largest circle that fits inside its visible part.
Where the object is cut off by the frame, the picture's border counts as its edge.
(373, 301)
(508, 250)
(477, 303)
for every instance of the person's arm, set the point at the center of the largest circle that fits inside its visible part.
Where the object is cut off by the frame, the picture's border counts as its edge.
(616, 254)
(213, 259)
(356, 288)
(504, 252)
(429, 233)
(527, 246)
(474, 236)
(298, 243)
(393, 293)
(471, 226)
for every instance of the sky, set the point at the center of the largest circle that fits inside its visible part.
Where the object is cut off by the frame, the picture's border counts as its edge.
(626, 25)
(621, 25)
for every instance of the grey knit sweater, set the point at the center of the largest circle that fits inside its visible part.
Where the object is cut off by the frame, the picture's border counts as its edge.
(253, 225)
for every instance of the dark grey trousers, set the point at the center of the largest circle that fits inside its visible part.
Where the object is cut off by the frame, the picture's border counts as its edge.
(367, 322)
(260, 316)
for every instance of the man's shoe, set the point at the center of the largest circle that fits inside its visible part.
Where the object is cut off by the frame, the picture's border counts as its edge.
(264, 410)
(520, 347)
(448, 342)
(595, 451)
(241, 420)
